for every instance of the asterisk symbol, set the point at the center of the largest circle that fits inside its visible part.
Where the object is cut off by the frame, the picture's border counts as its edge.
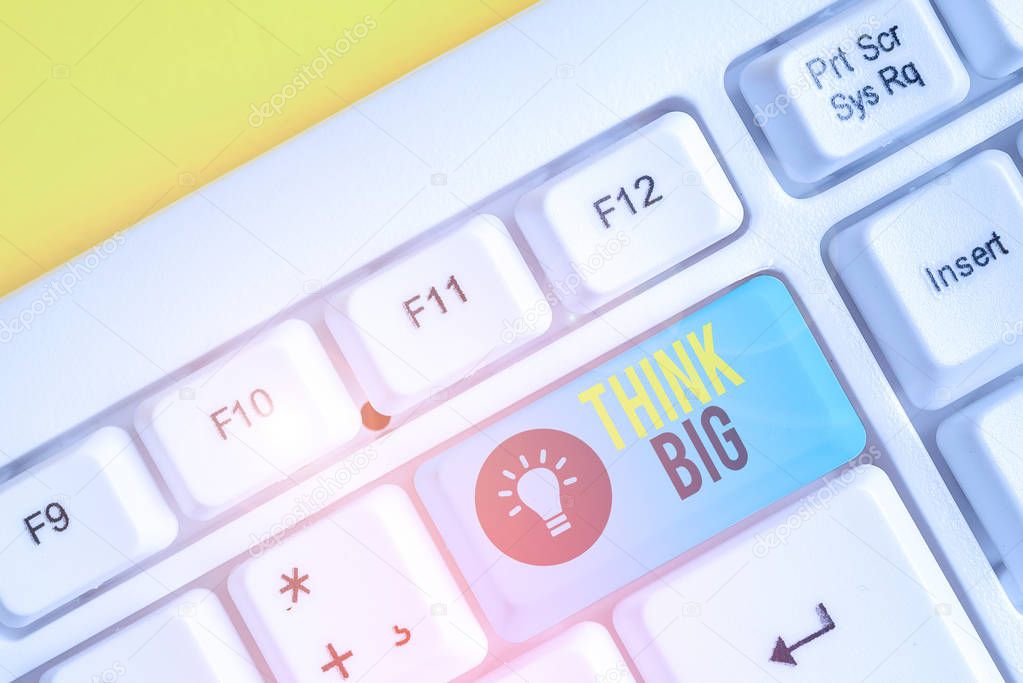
(294, 583)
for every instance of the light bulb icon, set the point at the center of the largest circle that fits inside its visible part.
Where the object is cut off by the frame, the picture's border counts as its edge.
(539, 489)
(526, 480)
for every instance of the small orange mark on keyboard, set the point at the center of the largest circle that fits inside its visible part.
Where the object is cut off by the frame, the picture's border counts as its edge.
(374, 420)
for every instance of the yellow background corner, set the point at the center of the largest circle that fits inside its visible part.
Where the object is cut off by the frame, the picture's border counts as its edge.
(113, 109)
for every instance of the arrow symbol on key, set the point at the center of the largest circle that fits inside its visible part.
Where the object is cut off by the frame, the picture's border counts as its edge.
(783, 653)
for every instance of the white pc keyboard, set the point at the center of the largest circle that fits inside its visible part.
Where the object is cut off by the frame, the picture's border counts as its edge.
(646, 340)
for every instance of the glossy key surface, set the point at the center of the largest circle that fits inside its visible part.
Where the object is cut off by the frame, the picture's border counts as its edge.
(247, 420)
(671, 440)
(645, 203)
(76, 520)
(853, 83)
(838, 586)
(361, 595)
(936, 276)
(190, 639)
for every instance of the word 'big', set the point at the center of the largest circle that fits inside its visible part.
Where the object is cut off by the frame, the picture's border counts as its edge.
(677, 371)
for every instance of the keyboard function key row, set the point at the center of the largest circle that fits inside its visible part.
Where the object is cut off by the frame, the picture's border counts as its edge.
(256, 416)
(599, 229)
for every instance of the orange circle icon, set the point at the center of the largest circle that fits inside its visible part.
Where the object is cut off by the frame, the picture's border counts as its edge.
(543, 497)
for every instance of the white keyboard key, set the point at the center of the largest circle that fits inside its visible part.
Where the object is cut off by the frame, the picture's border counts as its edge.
(648, 202)
(585, 653)
(990, 33)
(189, 639)
(853, 84)
(363, 595)
(936, 276)
(248, 420)
(981, 444)
(438, 315)
(76, 520)
(839, 586)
